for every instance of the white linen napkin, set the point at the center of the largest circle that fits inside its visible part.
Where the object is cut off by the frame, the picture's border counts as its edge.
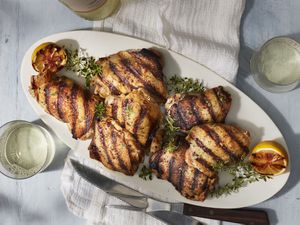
(203, 30)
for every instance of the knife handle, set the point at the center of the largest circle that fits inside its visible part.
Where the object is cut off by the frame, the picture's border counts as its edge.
(243, 216)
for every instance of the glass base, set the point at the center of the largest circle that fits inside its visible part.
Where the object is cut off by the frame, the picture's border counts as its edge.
(266, 84)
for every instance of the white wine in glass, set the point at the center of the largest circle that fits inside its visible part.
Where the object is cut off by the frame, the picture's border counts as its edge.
(25, 149)
(92, 9)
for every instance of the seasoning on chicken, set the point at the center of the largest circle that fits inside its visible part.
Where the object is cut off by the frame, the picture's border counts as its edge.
(126, 71)
(188, 110)
(216, 143)
(115, 147)
(137, 112)
(66, 101)
(187, 180)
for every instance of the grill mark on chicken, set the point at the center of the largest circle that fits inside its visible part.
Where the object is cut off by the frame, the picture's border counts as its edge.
(185, 119)
(115, 109)
(154, 164)
(126, 63)
(155, 71)
(203, 162)
(233, 137)
(194, 110)
(218, 141)
(150, 54)
(47, 97)
(129, 150)
(35, 88)
(112, 88)
(195, 176)
(171, 162)
(180, 116)
(104, 147)
(205, 149)
(139, 120)
(74, 109)
(94, 153)
(205, 184)
(87, 117)
(182, 176)
(124, 107)
(60, 100)
(121, 77)
(159, 168)
(114, 141)
(205, 101)
(218, 97)
(175, 115)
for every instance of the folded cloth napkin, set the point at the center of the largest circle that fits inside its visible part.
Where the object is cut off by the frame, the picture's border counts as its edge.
(205, 31)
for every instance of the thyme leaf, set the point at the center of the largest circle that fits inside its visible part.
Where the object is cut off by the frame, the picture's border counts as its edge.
(171, 134)
(178, 84)
(242, 173)
(145, 173)
(100, 110)
(82, 64)
(128, 109)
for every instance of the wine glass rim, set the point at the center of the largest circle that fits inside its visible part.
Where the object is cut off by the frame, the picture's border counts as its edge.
(44, 163)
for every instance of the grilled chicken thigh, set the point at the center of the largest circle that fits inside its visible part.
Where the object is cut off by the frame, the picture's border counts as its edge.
(213, 143)
(189, 181)
(137, 112)
(66, 101)
(115, 147)
(126, 71)
(188, 110)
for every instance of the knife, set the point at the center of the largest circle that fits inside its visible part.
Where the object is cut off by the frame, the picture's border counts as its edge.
(170, 213)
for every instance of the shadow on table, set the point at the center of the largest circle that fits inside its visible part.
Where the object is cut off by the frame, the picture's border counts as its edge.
(292, 139)
(290, 136)
(10, 206)
(61, 150)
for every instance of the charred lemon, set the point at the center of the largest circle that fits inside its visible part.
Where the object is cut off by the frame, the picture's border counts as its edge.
(48, 57)
(269, 158)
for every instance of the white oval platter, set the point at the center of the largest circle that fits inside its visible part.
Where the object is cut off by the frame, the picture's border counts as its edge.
(244, 112)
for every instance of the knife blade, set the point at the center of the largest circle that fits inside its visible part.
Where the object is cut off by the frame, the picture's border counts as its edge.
(154, 208)
(126, 194)
(137, 199)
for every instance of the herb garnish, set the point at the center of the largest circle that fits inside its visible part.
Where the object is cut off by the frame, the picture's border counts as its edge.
(128, 109)
(242, 173)
(100, 110)
(181, 85)
(82, 64)
(145, 173)
(171, 134)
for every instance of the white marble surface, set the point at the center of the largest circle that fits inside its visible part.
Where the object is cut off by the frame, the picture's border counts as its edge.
(39, 200)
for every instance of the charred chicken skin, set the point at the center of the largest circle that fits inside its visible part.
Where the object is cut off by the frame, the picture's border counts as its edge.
(188, 110)
(66, 101)
(189, 181)
(137, 112)
(126, 71)
(216, 143)
(115, 147)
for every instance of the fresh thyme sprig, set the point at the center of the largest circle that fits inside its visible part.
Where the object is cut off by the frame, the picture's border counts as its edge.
(100, 110)
(171, 134)
(178, 84)
(82, 64)
(145, 173)
(242, 173)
